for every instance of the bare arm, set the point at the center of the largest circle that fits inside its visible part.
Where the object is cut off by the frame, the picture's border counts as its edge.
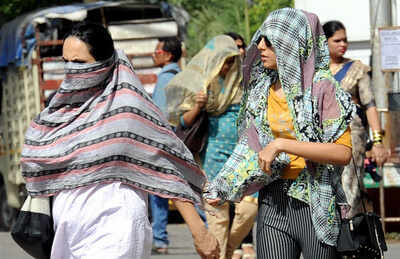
(373, 118)
(206, 244)
(378, 153)
(326, 153)
(190, 116)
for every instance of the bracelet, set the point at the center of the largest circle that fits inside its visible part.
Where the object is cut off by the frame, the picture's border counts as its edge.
(377, 136)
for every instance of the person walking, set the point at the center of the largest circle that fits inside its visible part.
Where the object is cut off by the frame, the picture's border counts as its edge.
(354, 79)
(211, 82)
(246, 248)
(166, 55)
(294, 138)
(99, 148)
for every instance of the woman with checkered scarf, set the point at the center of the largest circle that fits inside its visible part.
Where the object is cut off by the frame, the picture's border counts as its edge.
(294, 139)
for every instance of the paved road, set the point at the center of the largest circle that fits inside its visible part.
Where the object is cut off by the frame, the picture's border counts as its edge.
(181, 246)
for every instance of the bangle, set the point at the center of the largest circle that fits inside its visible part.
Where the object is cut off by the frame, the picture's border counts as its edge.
(377, 136)
(377, 132)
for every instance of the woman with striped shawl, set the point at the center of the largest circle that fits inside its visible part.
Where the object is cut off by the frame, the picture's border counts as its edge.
(294, 138)
(99, 148)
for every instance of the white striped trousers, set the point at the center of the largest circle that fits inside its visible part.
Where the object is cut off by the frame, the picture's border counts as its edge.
(284, 227)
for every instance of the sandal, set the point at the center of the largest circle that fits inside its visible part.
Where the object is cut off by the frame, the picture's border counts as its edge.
(248, 251)
(237, 254)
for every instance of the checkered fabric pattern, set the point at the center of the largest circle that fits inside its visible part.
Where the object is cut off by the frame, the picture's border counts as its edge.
(320, 109)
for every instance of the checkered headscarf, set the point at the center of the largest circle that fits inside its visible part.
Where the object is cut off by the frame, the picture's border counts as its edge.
(320, 109)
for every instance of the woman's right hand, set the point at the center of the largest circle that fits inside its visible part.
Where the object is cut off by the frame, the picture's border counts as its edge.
(189, 117)
(213, 202)
(201, 100)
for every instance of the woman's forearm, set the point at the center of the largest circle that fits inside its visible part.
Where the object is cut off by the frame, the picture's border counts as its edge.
(191, 217)
(190, 117)
(373, 118)
(204, 242)
(326, 153)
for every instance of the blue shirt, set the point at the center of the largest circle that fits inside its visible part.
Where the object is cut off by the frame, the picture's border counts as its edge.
(163, 79)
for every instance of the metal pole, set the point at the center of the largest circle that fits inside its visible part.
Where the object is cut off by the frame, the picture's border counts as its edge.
(382, 200)
(380, 16)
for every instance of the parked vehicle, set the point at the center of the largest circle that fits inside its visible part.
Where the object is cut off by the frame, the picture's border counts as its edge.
(31, 67)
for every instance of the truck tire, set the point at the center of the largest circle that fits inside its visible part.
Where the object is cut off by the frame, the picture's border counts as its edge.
(7, 213)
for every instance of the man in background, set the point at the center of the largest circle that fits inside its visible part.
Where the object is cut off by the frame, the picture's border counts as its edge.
(166, 55)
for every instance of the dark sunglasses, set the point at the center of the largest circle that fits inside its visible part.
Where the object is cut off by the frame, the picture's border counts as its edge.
(267, 42)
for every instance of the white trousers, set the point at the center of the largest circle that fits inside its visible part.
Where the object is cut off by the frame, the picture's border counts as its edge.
(101, 221)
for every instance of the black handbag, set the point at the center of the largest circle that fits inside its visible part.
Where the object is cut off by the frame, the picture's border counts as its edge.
(362, 235)
(33, 230)
(194, 136)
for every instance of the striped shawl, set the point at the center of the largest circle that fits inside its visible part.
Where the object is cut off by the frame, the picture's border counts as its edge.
(101, 126)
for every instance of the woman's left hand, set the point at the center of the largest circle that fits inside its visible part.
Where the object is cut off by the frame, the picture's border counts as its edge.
(206, 245)
(267, 155)
(379, 154)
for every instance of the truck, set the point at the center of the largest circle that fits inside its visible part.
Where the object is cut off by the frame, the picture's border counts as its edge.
(31, 68)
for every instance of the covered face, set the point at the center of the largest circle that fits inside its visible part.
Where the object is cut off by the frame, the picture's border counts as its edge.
(297, 40)
(216, 69)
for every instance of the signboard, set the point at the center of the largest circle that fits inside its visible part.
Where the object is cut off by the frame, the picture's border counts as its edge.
(390, 48)
(391, 177)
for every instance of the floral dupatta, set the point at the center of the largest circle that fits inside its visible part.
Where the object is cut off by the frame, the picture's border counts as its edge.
(320, 109)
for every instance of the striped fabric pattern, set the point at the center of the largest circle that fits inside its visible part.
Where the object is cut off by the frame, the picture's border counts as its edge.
(284, 227)
(102, 126)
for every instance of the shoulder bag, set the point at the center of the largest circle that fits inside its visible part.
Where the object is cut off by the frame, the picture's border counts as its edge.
(362, 236)
(33, 231)
(194, 136)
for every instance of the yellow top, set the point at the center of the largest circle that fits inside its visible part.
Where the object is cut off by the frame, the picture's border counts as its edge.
(281, 124)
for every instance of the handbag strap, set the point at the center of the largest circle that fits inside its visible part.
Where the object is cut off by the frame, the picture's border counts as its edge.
(374, 233)
(358, 182)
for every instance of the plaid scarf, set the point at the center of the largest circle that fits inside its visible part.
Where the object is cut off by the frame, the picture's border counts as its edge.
(320, 109)
(101, 126)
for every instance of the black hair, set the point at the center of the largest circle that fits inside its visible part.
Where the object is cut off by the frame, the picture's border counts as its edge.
(49, 98)
(172, 45)
(236, 36)
(331, 27)
(96, 37)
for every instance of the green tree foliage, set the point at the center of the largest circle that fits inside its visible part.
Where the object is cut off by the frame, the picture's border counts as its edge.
(261, 8)
(212, 20)
(212, 17)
